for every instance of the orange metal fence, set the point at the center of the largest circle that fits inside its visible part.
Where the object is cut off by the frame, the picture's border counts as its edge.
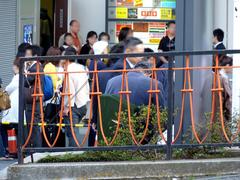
(187, 89)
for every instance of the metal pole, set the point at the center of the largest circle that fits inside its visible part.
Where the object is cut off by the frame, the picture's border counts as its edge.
(21, 112)
(106, 17)
(170, 108)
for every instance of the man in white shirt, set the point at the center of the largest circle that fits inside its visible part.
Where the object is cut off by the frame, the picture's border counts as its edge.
(79, 90)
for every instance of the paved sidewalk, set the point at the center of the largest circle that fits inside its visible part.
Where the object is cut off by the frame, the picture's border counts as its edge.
(3, 168)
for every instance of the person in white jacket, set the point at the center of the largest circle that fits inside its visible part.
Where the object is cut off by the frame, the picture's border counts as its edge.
(11, 115)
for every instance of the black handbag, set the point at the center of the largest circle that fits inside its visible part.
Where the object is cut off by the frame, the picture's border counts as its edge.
(51, 118)
(51, 111)
(28, 92)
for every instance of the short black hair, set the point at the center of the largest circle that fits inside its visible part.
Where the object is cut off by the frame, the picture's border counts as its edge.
(66, 35)
(116, 49)
(22, 49)
(73, 21)
(103, 34)
(144, 65)
(219, 33)
(91, 34)
(148, 50)
(170, 22)
(70, 51)
(36, 50)
(132, 42)
(123, 33)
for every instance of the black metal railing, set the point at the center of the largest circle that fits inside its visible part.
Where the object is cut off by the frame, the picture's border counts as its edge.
(176, 56)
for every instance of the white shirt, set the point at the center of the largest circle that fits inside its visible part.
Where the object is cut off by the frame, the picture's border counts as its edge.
(130, 64)
(79, 86)
(215, 46)
(11, 115)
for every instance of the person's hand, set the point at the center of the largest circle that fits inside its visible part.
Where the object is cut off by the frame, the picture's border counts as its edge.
(94, 126)
(65, 111)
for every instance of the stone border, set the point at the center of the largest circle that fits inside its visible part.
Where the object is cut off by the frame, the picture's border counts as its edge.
(126, 170)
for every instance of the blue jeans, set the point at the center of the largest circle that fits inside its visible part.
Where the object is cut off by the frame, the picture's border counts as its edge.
(77, 115)
(2, 146)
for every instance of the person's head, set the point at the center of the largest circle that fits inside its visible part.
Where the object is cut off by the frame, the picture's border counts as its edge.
(68, 39)
(33, 51)
(227, 61)
(53, 51)
(171, 28)
(75, 26)
(145, 66)
(22, 49)
(70, 51)
(134, 45)
(16, 65)
(29, 52)
(103, 36)
(218, 36)
(116, 49)
(149, 59)
(91, 37)
(36, 50)
(100, 47)
(125, 33)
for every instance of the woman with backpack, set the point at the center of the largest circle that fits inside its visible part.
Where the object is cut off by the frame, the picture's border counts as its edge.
(51, 67)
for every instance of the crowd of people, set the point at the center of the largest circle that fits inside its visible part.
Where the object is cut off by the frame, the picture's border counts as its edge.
(80, 84)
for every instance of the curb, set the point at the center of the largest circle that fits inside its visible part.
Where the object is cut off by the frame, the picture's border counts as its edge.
(126, 170)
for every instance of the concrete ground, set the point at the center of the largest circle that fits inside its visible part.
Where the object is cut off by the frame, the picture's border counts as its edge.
(228, 177)
(5, 164)
(3, 168)
(211, 169)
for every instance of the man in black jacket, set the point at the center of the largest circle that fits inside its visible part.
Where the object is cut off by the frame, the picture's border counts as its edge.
(218, 36)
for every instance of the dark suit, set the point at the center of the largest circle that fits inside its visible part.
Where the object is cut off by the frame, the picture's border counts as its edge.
(105, 77)
(100, 66)
(218, 47)
(162, 77)
(139, 85)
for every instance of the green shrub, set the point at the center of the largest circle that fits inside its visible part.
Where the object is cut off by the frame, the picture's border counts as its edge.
(138, 120)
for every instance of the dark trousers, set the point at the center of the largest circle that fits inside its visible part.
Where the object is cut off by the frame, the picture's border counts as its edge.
(77, 115)
(3, 142)
(36, 138)
(4, 135)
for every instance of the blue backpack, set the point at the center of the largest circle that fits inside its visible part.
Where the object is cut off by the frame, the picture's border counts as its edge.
(48, 90)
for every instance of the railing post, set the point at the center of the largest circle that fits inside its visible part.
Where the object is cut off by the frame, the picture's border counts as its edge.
(170, 108)
(21, 112)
